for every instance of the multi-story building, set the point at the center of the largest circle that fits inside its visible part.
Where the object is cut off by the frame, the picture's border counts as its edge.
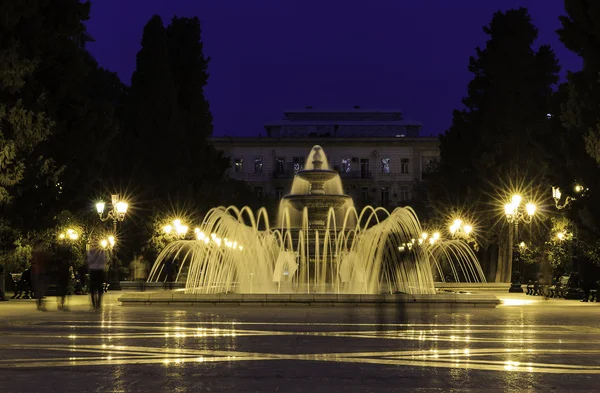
(379, 155)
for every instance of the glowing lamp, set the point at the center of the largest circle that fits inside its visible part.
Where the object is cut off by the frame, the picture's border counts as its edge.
(100, 207)
(509, 209)
(556, 194)
(121, 207)
(530, 208)
(516, 200)
(468, 229)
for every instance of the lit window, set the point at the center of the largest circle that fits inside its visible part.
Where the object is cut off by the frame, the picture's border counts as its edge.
(429, 164)
(385, 165)
(239, 165)
(258, 165)
(280, 165)
(404, 165)
(298, 164)
(346, 165)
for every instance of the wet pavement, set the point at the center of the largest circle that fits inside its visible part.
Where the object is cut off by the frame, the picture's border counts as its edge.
(529, 345)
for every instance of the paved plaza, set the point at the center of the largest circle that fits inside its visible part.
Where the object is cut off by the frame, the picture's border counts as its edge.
(530, 345)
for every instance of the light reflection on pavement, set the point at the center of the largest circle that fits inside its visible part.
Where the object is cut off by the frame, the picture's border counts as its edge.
(303, 348)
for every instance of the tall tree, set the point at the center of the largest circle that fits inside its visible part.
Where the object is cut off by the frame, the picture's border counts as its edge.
(494, 145)
(170, 118)
(75, 94)
(189, 66)
(579, 120)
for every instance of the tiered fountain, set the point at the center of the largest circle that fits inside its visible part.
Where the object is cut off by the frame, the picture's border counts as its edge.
(319, 244)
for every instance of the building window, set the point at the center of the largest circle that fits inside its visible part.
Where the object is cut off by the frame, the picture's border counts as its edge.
(364, 195)
(239, 165)
(404, 194)
(298, 164)
(385, 196)
(385, 165)
(364, 168)
(346, 165)
(430, 164)
(404, 165)
(278, 193)
(259, 191)
(280, 165)
(258, 165)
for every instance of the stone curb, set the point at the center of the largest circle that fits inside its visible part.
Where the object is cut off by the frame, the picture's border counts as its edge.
(306, 299)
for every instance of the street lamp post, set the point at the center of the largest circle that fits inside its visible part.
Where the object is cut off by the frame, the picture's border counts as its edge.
(176, 229)
(116, 214)
(459, 229)
(515, 213)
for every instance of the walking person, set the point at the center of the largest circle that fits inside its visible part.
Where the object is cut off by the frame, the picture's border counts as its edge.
(170, 269)
(39, 263)
(96, 260)
(140, 272)
(64, 259)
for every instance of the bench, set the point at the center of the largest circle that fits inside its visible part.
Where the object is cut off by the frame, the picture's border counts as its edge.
(560, 288)
(22, 288)
(593, 297)
(537, 289)
(529, 288)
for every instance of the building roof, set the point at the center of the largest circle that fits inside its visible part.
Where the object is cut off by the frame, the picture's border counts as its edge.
(423, 140)
(285, 122)
(340, 111)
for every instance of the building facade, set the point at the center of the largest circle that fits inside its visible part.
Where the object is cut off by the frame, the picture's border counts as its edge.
(380, 157)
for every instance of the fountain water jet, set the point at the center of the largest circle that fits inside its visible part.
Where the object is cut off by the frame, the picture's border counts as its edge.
(319, 244)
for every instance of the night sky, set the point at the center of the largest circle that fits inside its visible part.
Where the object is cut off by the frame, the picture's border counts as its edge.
(271, 55)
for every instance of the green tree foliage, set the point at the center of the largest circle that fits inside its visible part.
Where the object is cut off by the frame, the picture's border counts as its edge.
(495, 143)
(23, 123)
(578, 126)
(495, 140)
(59, 114)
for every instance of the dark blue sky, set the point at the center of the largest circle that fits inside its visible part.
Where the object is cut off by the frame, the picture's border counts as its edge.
(271, 55)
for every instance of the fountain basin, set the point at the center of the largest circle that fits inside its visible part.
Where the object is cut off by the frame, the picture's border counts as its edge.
(318, 205)
(180, 298)
(312, 202)
(317, 175)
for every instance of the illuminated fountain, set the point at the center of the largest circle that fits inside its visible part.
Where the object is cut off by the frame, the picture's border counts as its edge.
(319, 244)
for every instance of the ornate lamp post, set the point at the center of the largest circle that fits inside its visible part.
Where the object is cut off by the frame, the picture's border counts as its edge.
(176, 229)
(515, 212)
(459, 229)
(116, 214)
